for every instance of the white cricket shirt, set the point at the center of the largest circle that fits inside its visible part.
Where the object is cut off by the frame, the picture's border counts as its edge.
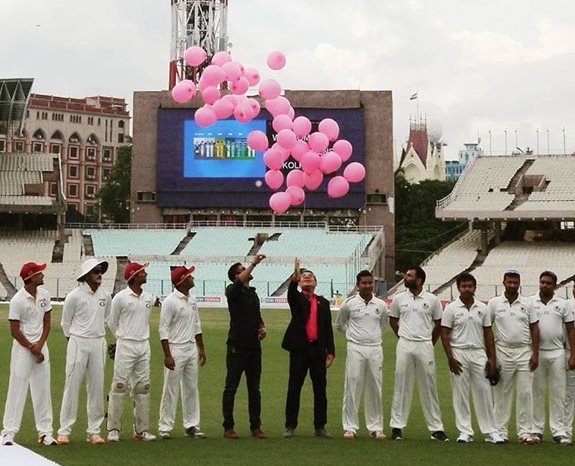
(466, 324)
(179, 318)
(361, 322)
(552, 318)
(85, 312)
(512, 320)
(130, 315)
(416, 314)
(30, 312)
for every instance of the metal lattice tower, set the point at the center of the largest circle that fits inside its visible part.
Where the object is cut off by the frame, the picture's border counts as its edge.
(196, 22)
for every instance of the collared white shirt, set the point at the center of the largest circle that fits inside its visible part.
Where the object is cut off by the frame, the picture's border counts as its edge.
(466, 324)
(179, 318)
(512, 320)
(362, 322)
(416, 314)
(30, 312)
(130, 315)
(552, 319)
(85, 312)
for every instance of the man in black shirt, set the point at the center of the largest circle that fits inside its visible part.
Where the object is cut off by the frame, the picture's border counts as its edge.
(244, 349)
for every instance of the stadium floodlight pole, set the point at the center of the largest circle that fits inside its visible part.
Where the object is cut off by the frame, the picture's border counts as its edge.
(564, 147)
(505, 141)
(490, 151)
(537, 132)
(196, 22)
(548, 150)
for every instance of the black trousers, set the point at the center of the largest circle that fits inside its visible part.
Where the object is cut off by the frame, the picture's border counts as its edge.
(300, 361)
(239, 360)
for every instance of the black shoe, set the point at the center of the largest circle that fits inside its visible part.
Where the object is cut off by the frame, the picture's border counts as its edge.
(323, 433)
(194, 432)
(440, 436)
(396, 434)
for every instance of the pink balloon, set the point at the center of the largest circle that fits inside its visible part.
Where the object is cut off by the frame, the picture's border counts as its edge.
(278, 106)
(299, 149)
(223, 108)
(337, 187)
(295, 178)
(195, 56)
(257, 140)
(330, 162)
(286, 138)
(205, 117)
(220, 58)
(252, 75)
(310, 162)
(284, 152)
(344, 149)
(233, 99)
(291, 113)
(254, 105)
(330, 128)
(354, 172)
(213, 75)
(313, 180)
(301, 126)
(240, 86)
(273, 159)
(184, 91)
(270, 89)
(318, 142)
(297, 195)
(280, 202)
(281, 122)
(210, 95)
(243, 113)
(276, 60)
(274, 179)
(233, 70)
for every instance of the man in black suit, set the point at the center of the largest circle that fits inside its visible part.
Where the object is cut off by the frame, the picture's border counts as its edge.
(309, 340)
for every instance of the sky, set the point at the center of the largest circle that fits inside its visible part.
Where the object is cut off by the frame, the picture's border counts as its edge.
(478, 68)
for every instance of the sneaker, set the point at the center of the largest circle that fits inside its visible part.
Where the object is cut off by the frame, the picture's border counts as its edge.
(114, 436)
(144, 437)
(258, 433)
(464, 438)
(194, 432)
(349, 435)
(537, 436)
(165, 435)
(562, 439)
(288, 432)
(231, 434)
(63, 440)
(396, 434)
(8, 439)
(495, 437)
(528, 440)
(95, 439)
(322, 433)
(440, 436)
(47, 439)
(377, 435)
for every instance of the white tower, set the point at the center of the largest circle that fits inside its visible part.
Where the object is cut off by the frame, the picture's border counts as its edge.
(196, 22)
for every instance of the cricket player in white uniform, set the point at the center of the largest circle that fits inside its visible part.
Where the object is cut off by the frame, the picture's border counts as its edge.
(130, 323)
(555, 320)
(29, 317)
(570, 385)
(85, 312)
(468, 342)
(415, 318)
(183, 346)
(362, 319)
(517, 348)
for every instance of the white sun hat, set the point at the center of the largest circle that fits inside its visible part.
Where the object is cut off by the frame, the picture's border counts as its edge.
(90, 264)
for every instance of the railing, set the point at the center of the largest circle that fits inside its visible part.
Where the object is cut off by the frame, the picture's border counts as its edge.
(441, 203)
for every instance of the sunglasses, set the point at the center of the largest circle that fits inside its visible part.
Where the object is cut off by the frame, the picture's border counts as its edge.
(97, 271)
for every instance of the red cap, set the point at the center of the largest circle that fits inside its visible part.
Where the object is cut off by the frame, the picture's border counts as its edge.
(179, 274)
(133, 268)
(29, 269)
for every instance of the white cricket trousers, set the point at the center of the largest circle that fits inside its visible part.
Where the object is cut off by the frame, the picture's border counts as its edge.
(84, 356)
(550, 372)
(472, 376)
(363, 374)
(514, 364)
(185, 378)
(24, 371)
(415, 359)
(131, 368)
(569, 396)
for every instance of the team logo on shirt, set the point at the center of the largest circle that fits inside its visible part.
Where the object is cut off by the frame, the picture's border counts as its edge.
(43, 302)
(425, 306)
(102, 302)
(148, 304)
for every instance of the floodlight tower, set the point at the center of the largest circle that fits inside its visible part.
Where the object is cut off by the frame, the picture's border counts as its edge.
(196, 22)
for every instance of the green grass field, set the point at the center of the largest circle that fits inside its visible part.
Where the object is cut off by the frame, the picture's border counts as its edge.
(303, 449)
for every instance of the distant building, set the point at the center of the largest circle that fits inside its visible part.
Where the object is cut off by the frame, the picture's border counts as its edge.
(453, 168)
(85, 132)
(422, 158)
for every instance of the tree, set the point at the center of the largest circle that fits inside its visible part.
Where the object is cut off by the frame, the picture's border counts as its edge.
(417, 232)
(114, 197)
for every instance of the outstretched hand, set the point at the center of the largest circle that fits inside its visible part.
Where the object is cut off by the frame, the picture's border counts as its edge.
(296, 269)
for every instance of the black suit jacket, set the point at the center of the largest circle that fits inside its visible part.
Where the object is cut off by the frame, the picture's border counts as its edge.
(295, 337)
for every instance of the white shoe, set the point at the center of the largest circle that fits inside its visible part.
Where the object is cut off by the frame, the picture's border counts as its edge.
(145, 437)
(8, 439)
(165, 435)
(114, 435)
(494, 437)
(377, 435)
(464, 438)
(349, 435)
(47, 440)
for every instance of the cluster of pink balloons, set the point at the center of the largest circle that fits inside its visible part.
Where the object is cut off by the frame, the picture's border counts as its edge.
(319, 153)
